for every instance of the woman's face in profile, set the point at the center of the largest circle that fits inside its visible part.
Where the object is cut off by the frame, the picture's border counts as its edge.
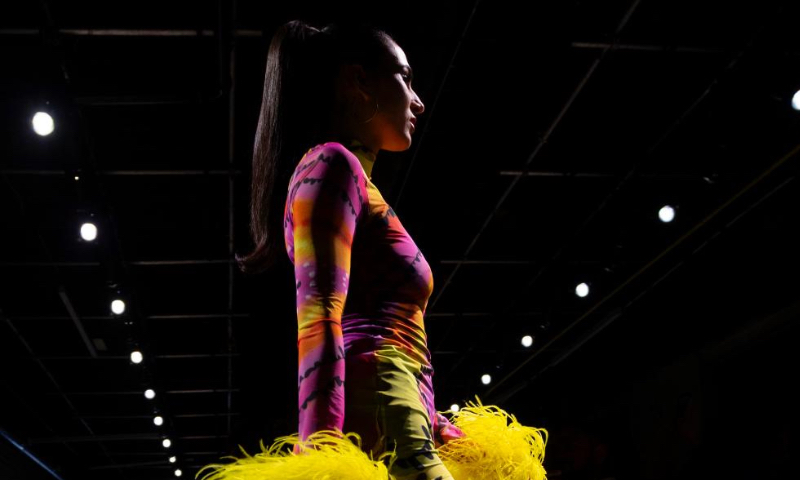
(398, 104)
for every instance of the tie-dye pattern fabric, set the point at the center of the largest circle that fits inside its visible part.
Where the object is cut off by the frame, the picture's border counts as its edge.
(362, 289)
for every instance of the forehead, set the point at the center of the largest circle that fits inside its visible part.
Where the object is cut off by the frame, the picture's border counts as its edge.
(396, 54)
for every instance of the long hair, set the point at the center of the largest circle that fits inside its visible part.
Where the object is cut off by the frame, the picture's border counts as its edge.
(297, 105)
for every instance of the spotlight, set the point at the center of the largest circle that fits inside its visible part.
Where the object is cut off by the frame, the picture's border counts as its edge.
(172, 459)
(527, 341)
(486, 379)
(149, 394)
(158, 420)
(43, 124)
(88, 230)
(178, 472)
(666, 214)
(167, 443)
(454, 408)
(118, 307)
(796, 100)
(136, 356)
(582, 290)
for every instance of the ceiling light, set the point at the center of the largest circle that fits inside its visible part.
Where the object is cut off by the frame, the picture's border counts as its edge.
(136, 356)
(43, 124)
(666, 214)
(88, 230)
(527, 341)
(158, 420)
(486, 379)
(118, 307)
(149, 394)
(582, 290)
(167, 443)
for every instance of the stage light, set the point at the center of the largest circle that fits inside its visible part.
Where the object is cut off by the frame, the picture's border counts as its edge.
(77, 178)
(178, 472)
(796, 100)
(118, 307)
(136, 356)
(166, 443)
(149, 394)
(158, 420)
(88, 231)
(486, 379)
(582, 290)
(666, 214)
(172, 459)
(43, 124)
(454, 408)
(527, 341)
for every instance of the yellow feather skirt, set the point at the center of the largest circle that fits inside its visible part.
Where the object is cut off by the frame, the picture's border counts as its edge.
(496, 446)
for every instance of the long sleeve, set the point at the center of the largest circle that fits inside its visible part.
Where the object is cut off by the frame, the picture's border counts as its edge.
(444, 431)
(326, 203)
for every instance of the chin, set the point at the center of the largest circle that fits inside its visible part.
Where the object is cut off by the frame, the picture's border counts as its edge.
(404, 142)
(399, 145)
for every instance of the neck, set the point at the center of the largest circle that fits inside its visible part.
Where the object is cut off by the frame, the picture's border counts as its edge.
(365, 155)
(360, 148)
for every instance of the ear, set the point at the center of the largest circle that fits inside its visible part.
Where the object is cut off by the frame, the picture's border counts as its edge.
(356, 79)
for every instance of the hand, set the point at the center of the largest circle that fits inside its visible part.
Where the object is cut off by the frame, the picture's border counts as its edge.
(446, 431)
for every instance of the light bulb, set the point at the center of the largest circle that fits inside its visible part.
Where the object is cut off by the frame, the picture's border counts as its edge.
(136, 356)
(149, 394)
(43, 124)
(88, 230)
(454, 408)
(158, 420)
(172, 459)
(167, 443)
(582, 290)
(486, 379)
(118, 307)
(666, 214)
(527, 341)
(178, 472)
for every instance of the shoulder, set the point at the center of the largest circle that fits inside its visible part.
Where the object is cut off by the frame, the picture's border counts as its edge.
(334, 154)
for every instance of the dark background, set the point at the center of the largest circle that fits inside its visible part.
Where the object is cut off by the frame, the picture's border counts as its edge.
(554, 131)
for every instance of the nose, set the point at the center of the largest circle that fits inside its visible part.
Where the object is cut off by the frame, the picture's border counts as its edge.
(417, 107)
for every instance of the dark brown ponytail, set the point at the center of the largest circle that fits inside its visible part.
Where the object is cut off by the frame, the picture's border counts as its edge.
(296, 107)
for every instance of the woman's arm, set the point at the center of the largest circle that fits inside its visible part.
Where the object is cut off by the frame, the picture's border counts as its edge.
(445, 431)
(324, 208)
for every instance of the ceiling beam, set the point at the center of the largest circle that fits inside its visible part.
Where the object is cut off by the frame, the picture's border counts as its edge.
(129, 32)
(138, 417)
(139, 392)
(187, 356)
(123, 437)
(649, 48)
(203, 316)
(121, 173)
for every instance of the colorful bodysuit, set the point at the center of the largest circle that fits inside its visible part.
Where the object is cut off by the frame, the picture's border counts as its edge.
(362, 289)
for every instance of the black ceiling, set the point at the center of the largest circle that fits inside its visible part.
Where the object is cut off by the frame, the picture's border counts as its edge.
(553, 134)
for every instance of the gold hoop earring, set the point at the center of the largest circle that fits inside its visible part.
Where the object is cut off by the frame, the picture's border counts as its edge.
(375, 113)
